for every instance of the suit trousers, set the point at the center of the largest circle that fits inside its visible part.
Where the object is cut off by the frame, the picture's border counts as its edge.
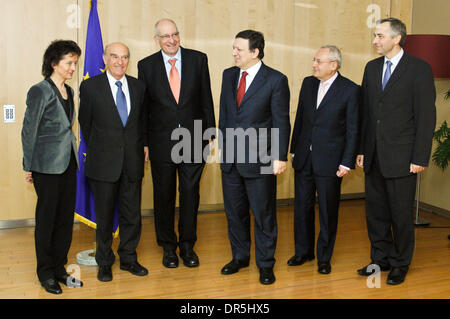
(390, 218)
(259, 194)
(54, 219)
(126, 194)
(164, 177)
(328, 191)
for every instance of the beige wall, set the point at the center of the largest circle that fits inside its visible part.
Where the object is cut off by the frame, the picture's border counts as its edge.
(294, 29)
(431, 17)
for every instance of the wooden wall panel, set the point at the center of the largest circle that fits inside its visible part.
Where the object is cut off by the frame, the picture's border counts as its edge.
(293, 29)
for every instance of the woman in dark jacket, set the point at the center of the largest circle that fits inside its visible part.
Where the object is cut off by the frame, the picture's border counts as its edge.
(50, 162)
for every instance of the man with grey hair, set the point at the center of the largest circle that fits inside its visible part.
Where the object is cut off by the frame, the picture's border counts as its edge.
(398, 119)
(178, 95)
(324, 143)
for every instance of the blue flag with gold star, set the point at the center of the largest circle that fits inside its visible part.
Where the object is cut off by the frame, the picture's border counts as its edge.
(93, 65)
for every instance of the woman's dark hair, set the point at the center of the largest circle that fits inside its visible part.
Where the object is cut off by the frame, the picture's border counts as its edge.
(55, 53)
(255, 41)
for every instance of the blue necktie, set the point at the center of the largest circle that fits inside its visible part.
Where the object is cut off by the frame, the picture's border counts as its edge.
(387, 74)
(121, 103)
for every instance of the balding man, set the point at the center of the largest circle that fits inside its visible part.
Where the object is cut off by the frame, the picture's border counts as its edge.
(324, 143)
(178, 97)
(111, 119)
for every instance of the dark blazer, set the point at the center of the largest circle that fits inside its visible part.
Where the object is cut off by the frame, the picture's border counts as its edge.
(164, 114)
(111, 147)
(47, 137)
(265, 105)
(331, 129)
(399, 121)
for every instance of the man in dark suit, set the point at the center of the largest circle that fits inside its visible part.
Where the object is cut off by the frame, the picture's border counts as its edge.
(324, 142)
(178, 97)
(398, 120)
(255, 128)
(111, 119)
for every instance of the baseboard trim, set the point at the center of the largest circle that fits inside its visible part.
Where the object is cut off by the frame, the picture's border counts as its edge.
(214, 208)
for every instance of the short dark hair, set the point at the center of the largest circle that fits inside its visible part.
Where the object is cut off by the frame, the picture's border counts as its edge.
(397, 27)
(55, 53)
(255, 41)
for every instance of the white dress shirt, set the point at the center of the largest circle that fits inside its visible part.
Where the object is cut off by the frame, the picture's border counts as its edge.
(251, 73)
(395, 60)
(324, 86)
(112, 83)
(167, 64)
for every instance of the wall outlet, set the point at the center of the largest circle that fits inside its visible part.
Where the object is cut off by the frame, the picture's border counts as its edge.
(9, 113)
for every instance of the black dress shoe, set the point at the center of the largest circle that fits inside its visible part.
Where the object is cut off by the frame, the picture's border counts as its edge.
(134, 268)
(397, 275)
(69, 281)
(51, 286)
(324, 268)
(372, 268)
(104, 273)
(170, 259)
(266, 276)
(234, 266)
(297, 260)
(190, 258)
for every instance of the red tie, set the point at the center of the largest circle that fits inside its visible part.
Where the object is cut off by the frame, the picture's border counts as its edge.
(241, 89)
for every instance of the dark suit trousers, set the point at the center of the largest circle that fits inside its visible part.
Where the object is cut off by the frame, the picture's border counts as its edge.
(54, 219)
(389, 214)
(258, 194)
(164, 177)
(328, 191)
(127, 195)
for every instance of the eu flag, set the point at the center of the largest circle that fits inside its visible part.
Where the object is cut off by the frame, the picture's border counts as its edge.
(93, 65)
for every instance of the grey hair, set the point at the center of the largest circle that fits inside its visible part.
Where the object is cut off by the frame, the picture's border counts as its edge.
(161, 20)
(397, 27)
(108, 45)
(334, 54)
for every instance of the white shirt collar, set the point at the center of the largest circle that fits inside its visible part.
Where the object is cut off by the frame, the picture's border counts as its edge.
(176, 56)
(395, 60)
(253, 69)
(330, 80)
(112, 80)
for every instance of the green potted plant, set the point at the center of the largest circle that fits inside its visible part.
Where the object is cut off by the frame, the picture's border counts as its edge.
(441, 154)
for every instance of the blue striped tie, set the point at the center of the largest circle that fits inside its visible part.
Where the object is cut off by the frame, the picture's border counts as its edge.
(121, 103)
(387, 74)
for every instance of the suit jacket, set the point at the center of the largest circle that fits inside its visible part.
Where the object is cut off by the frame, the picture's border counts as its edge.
(111, 147)
(398, 123)
(331, 129)
(164, 114)
(47, 137)
(264, 106)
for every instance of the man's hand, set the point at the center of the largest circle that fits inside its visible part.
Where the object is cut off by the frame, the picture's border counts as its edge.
(29, 177)
(360, 161)
(342, 171)
(146, 158)
(413, 168)
(279, 167)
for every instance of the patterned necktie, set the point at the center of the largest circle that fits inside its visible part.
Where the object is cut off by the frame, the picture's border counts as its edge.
(174, 80)
(387, 74)
(121, 103)
(241, 89)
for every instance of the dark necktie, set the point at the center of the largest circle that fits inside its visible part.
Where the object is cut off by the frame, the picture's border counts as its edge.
(387, 74)
(241, 89)
(121, 103)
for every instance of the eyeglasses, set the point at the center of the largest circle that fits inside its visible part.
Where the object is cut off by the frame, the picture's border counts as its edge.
(318, 61)
(169, 36)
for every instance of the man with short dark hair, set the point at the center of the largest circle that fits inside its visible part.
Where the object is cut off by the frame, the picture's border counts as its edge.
(398, 120)
(254, 98)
